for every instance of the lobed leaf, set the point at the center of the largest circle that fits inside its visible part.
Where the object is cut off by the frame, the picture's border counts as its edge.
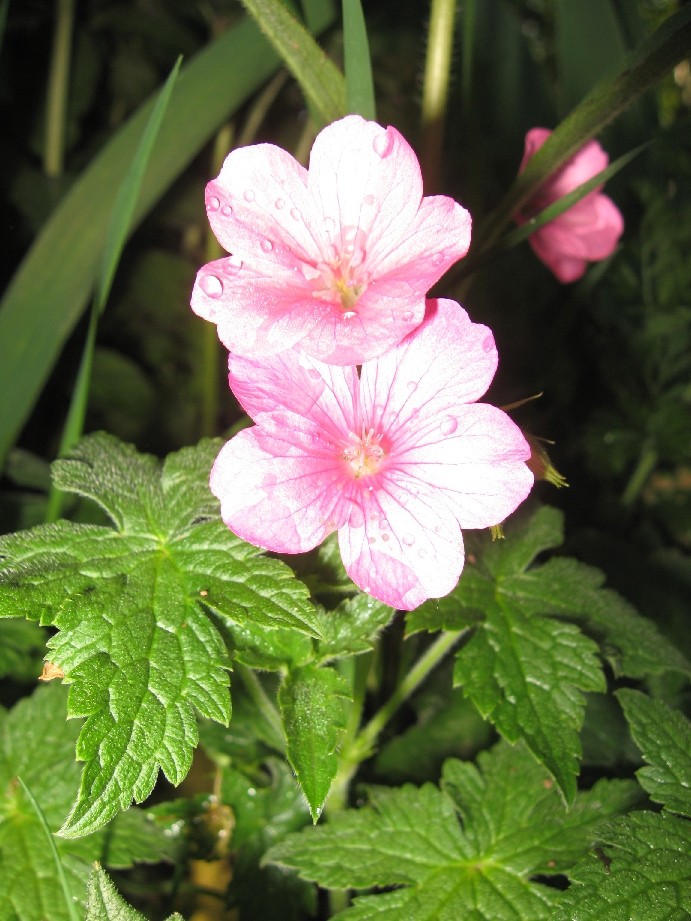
(478, 866)
(106, 904)
(664, 738)
(132, 607)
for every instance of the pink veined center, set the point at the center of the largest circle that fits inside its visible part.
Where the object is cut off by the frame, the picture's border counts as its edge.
(364, 454)
(341, 279)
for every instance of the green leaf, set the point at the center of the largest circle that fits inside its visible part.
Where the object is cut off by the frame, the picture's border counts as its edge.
(358, 65)
(319, 78)
(106, 904)
(480, 868)
(314, 710)
(37, 744)
(664, 738)
(132, 603)
(526, 675)
(640, 872)
(352, 627)
(21, 646)
(48, 293)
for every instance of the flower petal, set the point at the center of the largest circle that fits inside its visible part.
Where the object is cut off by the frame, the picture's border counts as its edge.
(406, 547)
(477, 460)
(276, 496)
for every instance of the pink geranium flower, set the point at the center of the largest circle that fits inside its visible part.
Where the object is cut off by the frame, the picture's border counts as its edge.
(337, 259)
(397, 460)
(586, 232)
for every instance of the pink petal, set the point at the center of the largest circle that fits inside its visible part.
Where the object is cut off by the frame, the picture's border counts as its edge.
(365, 177)
(406, 548)
(476, 457)
(446, 362)
(276, 496)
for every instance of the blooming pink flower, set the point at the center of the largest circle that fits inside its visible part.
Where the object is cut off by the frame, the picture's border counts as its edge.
(337, 259)
(586, 232)
(397, 460)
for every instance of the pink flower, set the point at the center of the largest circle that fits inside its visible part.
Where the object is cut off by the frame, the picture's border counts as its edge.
(397, 460)
(337, 259)
(589, 230)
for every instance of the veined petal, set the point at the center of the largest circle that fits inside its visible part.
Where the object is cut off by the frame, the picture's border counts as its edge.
(447, 362)
(478, 464)
(406, 547)
(364, 177)
(276, 496)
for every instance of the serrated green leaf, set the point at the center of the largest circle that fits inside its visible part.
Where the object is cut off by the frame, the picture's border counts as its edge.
(526, 675)
(21, 646)
(319, 78)
(352, 627)
(632, 643)
(131, 604)
(313, 703)
(664, 738)
(37, 744)
(640, 872)
(106, 904)
(480, 869)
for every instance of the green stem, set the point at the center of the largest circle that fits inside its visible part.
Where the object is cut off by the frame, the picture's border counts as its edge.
(645, 466)
(58, 87)
(262, 702)
(435, 88)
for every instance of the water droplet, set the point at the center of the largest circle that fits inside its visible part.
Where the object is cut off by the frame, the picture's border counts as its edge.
(383, 143)
(448, 425)
(213, 204)
(329, 225)
(349, 314)
(437, 258)
(248, 195)
(385, 537)
(266, 246)
(488, 343)
(369, 200)
(403, 498)
(371, 540)
(407, 316)
(279, 204)
(296, 214)
(232, 265)
(211, 285)
(412, 386)
(408, 540)
(226, 210)
(438, 529)
(309, 272)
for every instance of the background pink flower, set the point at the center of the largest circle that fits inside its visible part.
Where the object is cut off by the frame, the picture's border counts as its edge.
(397, 460)
(589, 230)
(338, 258)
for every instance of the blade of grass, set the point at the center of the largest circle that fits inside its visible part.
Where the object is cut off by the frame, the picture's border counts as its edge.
(48, 292)
(435, 88)
(320, 80)
(358, 64)
(647, 64)
(58, 88)
(116, 237)
(70, 904)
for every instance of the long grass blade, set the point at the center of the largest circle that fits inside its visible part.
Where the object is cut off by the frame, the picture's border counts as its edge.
(358, 64)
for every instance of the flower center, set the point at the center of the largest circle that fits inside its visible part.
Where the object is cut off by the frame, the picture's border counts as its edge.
(364, 454)
(342, 278)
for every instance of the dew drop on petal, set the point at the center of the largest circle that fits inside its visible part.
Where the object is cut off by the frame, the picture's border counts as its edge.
(448, 425)
(279, 204)
(266, 246)
(385, 537)
(437, 258)
(412, 386)
(407, 316)
(248, 195)
(314, 374)
(226, 211)
(408, 540)
(213, 204)
(383, 144)
(422, 553)
(309, 272)
(232, 265)
(211, 285)
(369, 200)
(371, 540)
(349, 315)
(296, 214)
